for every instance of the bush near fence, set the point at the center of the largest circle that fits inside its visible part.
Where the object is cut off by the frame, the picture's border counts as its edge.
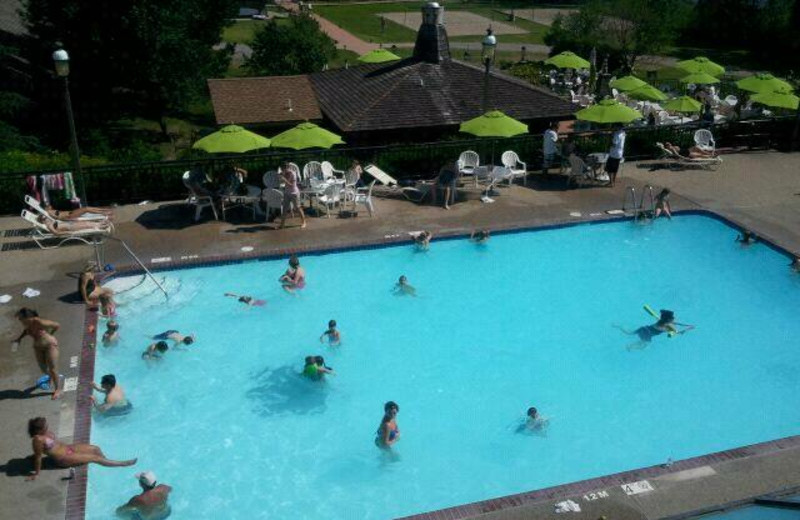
(157, 181)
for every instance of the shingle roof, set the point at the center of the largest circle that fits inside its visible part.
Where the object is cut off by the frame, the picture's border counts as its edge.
(263, 100)
(411, 93)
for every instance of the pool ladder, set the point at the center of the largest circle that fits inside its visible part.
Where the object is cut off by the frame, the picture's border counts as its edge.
(101, 261)
(638, 209)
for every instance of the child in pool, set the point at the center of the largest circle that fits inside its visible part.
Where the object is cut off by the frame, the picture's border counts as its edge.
(111, 335)
(480, 237)
(155, 350)
(423, 240)
(333, 334)
(665, 323)
(108, 308)
(247, 300)
(747, 238)
(402, 287)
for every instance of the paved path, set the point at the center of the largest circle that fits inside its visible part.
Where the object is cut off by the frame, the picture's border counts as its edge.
(344, 39)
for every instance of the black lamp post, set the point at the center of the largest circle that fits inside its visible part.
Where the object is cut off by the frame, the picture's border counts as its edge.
(489, 45)
(61, 61)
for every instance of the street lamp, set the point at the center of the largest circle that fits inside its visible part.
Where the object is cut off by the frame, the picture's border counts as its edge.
(61, 61)
(489, 44)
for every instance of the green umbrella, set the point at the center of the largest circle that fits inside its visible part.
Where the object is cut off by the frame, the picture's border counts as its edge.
(493, 124)
(231, 139)
(627, 83)
(782, 98)
(608, 111)
(378, 56)
(647, 93)
(763, 83)
(699, 78)
(682, 104)
(306, 135)
(701, 64)
(567, 60)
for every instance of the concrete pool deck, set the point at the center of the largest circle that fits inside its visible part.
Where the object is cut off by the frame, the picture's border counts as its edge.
(757, 190)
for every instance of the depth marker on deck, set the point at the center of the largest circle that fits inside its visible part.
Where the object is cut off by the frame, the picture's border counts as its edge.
(161, 260)
(70, 384)
(73, 361)
(636, 488)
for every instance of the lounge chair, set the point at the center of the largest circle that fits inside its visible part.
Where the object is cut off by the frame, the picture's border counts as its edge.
(40, 233)
(35, 206)
(419, 192)
(680, 162)
(380, 175)
(516, 167)
(198, 197)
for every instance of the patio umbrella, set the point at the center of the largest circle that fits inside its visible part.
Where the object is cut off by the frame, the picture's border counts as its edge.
(782, 98)
(306, 135)
(701, 64)
(763, 83)
(608, 111)
(682, 104)
(627, 83)
(699, 78)
(647, 93)
(493, 124)
(378, 56)
(231, 139)
(567, 60)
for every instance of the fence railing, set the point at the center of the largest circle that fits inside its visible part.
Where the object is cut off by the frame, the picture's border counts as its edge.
(127, 183)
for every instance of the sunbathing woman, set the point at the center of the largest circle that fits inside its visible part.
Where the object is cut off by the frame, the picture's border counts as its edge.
(295, 277)
(76, 214)
(65, 455)
(694, 152)
(45, 345)
(65, 227)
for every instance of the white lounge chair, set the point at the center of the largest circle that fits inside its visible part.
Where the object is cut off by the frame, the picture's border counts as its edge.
(704, 140)
(197, 199)
(40, 233)
(35, 206)
(380, 175)
(467, 162)
(364, 197)
(516, 167)
(679, 162)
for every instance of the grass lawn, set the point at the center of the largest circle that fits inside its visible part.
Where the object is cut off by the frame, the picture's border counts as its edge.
(362, 21)
(243, 31)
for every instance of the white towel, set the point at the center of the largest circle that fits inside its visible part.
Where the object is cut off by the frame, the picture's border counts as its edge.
(30, 293)
(568, 506)
(5, 298)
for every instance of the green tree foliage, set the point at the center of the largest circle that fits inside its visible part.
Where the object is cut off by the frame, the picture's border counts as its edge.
(146, 56)
(298, 47)
(625, 29)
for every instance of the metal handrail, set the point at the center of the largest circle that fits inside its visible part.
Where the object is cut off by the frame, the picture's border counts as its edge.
(648, 190)
(630, 190)
(141, 264)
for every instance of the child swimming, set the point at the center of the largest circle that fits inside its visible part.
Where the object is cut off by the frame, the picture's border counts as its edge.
(111, 335)
(479, 237)
(402, 287)
(666, 323)
(333, 335)
(423, 240)
(247, 300)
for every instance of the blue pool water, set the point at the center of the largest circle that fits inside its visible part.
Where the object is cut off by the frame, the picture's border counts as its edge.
(525, 320)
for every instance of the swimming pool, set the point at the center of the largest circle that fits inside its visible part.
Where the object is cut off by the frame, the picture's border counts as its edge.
(526, 320)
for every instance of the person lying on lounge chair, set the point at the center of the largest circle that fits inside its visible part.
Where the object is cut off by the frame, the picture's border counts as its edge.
(76, 214)
(66, 227)
(693, 153)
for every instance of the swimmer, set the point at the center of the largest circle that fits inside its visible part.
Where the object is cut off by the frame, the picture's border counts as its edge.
(662, 204)
(155, 350)
(295, 277)
(108, 308)
(247, 300)
(115, 402)
(333, 334)
(315, 368)
(665, 323)
(176, 337)
(747, 238)
(151, 503)
(388, 432)
(795, 264)
(402, 287)
(535, 421)
(423, 240)
(480, 237)
(111, 335)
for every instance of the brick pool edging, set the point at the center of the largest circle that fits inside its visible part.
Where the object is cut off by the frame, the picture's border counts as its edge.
(77, 488)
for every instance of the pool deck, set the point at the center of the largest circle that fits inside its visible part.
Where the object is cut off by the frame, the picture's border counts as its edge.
(758, 190)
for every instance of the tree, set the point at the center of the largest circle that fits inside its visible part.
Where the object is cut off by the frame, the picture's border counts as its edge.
(626, 29)
(296, 47)
(127, 56)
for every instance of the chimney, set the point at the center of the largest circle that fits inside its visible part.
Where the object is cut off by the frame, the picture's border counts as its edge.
(432, 44)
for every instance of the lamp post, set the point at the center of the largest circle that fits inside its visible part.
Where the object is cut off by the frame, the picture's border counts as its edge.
(489, 44)
(61, 61)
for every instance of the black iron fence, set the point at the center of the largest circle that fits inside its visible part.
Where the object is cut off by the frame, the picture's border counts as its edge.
(127, 183)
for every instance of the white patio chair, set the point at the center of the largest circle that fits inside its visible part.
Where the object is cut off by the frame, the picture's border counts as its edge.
(196, 198)
(731, 100)
(40, 233)
(273, 199)
(364, 197)
(312, 170)
(349, 189)
(251, 199)
(329, 172)
(516, 167)
(467, 162)
(578, 170)
(271, 179)
(330, 197)
(704, 140)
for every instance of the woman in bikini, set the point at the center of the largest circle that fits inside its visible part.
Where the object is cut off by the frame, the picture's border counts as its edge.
(388, 432)
(65, 227)
(45, 345)
(65, 455)
(295, 277)
(75, 214)
(90, 290)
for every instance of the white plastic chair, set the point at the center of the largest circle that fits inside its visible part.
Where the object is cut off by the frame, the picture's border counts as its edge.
(198, 200)
(467, 162)
(329, 172)
(350, 181)
(272, 179)
(312, 170)
(731, 100)
(273, 199)
(516, 167)
(330, 197)
(40, 233)
(364, 197)
(704, 140)
(578, 170)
